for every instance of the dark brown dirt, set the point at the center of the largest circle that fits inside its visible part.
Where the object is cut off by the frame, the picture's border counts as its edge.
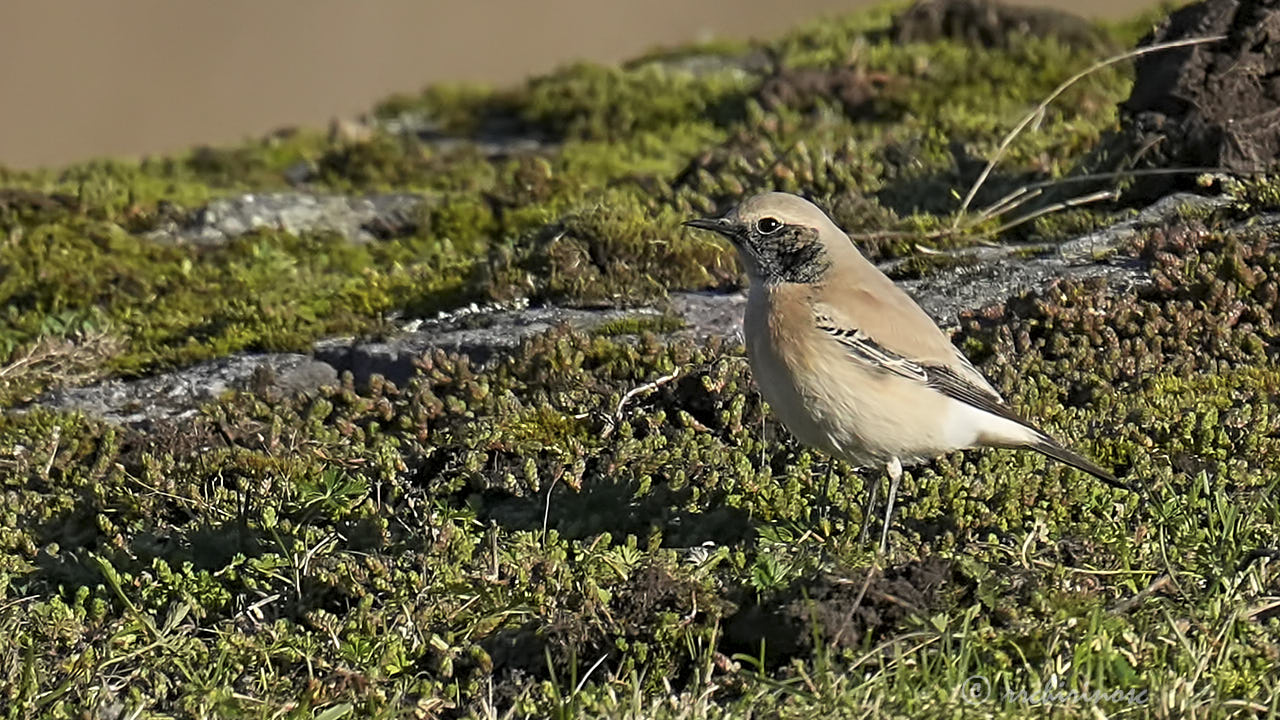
(805, 89)
(12, 198)
(989, 24)
(30, 206)
(1215, 105)
(827, 612)
(639, 613)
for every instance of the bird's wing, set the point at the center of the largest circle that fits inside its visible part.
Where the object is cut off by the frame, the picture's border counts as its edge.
(881, 327)
(957, 379)
(870, 302)
(866, 351)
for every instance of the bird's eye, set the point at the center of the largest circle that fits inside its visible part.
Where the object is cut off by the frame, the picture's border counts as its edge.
(767, 225)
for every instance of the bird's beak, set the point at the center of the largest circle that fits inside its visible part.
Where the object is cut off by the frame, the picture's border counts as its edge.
(718, 225)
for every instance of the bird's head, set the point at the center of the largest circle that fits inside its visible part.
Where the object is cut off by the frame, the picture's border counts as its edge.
(781, 238)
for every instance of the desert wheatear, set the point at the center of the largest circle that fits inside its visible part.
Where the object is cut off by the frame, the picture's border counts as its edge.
(849, 362)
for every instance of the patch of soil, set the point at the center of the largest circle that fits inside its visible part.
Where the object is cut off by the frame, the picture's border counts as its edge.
(636, 614)
(30, 206)
(651, 593)
(177, 439)
(827, 611)
(1213, 105)
(804, 88)
(989, 24)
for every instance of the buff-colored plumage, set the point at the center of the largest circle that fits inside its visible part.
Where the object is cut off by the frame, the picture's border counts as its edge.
(847, 360)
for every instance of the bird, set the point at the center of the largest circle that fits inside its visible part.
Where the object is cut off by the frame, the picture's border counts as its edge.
(849, 362)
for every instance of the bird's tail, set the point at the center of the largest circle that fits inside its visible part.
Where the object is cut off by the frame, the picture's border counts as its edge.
(1052, 448)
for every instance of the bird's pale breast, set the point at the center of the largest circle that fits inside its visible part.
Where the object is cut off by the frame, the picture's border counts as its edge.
(830, 402)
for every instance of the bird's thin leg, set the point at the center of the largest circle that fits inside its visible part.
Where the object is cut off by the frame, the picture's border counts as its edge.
(895, 477)
(869, 509)
(824, 510)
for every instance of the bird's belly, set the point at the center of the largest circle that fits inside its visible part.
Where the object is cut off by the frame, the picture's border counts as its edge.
(797, 410)
(816, 396)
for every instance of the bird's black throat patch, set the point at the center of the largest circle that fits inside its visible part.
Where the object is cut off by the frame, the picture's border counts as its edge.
(793, 254)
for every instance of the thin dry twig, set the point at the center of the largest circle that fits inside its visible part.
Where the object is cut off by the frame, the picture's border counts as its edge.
(1055, 207)
(654, 385)
(546, 512)
(1266, 609)
(857, 602)
(1160, 583)
(1024, 194)
(54, 361)
(1015, 199)
(631, 394)
(1039, 110)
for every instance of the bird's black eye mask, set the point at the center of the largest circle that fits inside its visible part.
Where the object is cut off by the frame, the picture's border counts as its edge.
(786, 253)
(781, 253)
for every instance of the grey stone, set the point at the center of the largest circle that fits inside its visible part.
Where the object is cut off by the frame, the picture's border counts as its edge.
(496, 137)
(358, 219)
(702, 64)
(708, 314)
(178, 394)
(477, 333)
(1006, 272)
(493, 145)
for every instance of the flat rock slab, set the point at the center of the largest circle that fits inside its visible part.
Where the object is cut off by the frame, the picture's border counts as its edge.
(178, 394)
(986, 275)
(357, 219)
(483, 334)
(708, 314)
(993, 275)
(480, 334)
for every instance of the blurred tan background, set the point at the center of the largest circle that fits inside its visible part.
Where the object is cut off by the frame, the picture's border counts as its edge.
(86, 78)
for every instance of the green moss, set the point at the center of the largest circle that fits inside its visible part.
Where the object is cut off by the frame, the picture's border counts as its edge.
(593, 102)
(639, 324)
(128, 191)
(178, 304)
(1254, 195)
(616, 249)
(924, 265)
(456, 108)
